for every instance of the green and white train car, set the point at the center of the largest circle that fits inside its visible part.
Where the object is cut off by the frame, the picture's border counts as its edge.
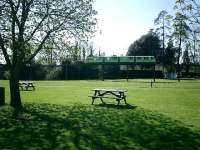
(122, 60)
(95, 60)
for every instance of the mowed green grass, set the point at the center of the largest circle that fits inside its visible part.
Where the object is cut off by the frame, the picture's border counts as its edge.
(59, 115)
(180, 101)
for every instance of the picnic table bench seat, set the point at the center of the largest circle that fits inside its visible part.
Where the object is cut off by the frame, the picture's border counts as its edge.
(104, 97)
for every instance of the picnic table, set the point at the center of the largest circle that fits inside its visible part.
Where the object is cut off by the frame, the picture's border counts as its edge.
(26, 86)
(118, 94)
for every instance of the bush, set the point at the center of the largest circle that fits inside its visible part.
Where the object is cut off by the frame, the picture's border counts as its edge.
(53, 73)
(6, 75)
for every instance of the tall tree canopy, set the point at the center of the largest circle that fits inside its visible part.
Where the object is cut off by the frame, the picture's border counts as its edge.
(170, 56)
(184, 32)
(25, 26)
(191, 9)
(148, 44)
(163, 29)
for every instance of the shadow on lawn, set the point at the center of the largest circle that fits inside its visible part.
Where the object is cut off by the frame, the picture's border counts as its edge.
(127, 106)
(87, 127)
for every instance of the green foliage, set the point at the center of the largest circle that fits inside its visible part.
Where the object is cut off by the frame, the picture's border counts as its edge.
(191, 13)
(26, 26)
(186, 60)
(185, 25)
(163, 23)
(6, 75)
(83, 127)
(147, 45)
(37, 21)
(181, 32)
(163, 28)
(170, 56)
(53, 73)
(181, 28)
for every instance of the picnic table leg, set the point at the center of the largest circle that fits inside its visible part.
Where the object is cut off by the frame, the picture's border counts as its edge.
(102, 100)
(93, 100)
(20, 88)
(118, 101)
(125, 100)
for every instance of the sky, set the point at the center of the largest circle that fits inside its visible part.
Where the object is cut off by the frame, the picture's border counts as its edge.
(121, 22)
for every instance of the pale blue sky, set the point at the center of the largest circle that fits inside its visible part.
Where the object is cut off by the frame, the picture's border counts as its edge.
(124, 21)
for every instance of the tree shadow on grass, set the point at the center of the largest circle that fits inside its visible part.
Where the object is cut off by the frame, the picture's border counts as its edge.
(126, 106)
(44, 126)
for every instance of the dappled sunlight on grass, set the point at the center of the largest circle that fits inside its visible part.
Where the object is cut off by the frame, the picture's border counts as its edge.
(177, 100)
(85, 127)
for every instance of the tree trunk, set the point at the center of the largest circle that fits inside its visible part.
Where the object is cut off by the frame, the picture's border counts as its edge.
(187, 69)
(15, 99)
(163, 48)
(179, 55)
(179, 69)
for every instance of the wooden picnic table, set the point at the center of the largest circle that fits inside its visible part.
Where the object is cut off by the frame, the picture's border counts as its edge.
(101, 93)
(26, 86)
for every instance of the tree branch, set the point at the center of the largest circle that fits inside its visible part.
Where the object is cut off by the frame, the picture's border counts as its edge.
(43, 41)
(39, 47)
(36, 28)
(6, 56)
(14, 12)
(25, 12)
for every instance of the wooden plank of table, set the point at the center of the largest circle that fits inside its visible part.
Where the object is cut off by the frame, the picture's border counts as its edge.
(111, 90)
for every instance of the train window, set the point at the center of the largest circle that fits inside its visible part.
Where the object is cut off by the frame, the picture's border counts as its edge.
(139, 58)
(146, 58)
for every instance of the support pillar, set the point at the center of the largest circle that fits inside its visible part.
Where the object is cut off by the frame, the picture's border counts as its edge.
(154, 73)
(127, 73)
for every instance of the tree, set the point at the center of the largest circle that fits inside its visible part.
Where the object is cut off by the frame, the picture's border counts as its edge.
(194, 48)
(180, 35)
(188, 16)
(191, 9)
(33, 22)
(186, 59)
(163, 23)
(170, 56)
(48, 54)
(148, 44)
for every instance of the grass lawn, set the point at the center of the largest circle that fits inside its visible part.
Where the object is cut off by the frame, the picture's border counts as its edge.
(59, 115)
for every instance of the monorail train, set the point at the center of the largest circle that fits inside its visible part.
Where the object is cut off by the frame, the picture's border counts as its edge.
(122, 60)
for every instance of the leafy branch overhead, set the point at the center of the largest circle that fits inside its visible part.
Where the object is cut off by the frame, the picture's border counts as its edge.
(26, 25)
(33, 22)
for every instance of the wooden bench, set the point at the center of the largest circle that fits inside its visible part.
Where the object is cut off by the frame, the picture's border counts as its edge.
(26, 86)
(117, 94)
